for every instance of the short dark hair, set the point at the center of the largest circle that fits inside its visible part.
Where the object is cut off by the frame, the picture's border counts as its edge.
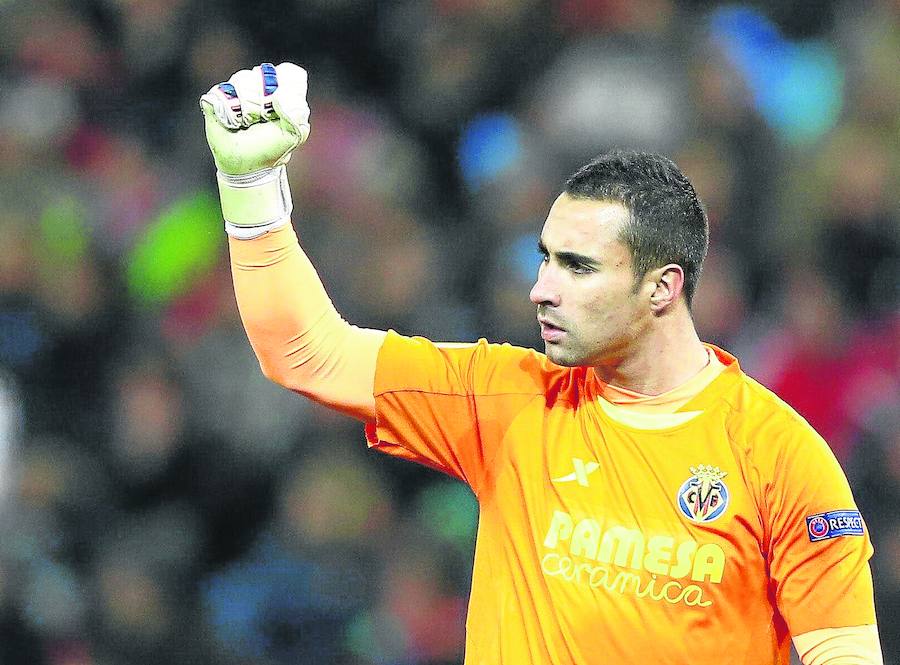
(667, 223)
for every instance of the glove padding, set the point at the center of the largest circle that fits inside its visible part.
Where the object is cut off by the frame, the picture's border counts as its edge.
(256, 118)
(253, 122)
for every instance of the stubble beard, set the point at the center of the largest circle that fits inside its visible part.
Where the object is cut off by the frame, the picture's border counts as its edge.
(562, 354)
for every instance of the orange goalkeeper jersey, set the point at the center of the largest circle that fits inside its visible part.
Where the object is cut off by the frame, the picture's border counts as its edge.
(710, 540)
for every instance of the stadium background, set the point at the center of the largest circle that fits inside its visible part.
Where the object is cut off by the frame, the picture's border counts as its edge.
(163, 504)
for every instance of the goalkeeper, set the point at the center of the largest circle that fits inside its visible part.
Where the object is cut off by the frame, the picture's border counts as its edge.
(641, 499)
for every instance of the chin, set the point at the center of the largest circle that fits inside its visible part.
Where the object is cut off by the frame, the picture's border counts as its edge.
(562, 357)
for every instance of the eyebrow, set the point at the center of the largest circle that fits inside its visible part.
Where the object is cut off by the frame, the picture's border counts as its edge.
(569, 257)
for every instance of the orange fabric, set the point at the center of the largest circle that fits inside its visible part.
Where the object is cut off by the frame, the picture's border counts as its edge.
(301, 341)
(851, 645)
(667, 402)
(583, 554)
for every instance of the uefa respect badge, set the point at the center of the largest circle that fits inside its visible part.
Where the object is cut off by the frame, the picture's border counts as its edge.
(834, 524)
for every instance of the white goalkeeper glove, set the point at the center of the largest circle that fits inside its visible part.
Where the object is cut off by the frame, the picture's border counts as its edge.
(253, 123)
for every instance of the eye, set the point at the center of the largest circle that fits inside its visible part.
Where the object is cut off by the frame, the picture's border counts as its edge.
(579, 268)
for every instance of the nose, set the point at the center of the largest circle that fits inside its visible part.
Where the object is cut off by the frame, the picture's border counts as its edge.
(544, 291)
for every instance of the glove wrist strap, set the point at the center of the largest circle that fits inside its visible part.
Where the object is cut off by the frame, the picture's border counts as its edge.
(255, 203)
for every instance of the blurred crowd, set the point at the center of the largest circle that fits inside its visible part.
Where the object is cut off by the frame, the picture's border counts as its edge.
(163, 503)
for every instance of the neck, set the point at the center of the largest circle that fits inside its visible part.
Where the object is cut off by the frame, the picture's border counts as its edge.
(665, 357)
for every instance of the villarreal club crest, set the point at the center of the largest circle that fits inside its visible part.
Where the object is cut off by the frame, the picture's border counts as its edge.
(704, 496)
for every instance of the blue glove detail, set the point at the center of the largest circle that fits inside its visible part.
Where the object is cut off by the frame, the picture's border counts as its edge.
(270, 78)
(228, 90)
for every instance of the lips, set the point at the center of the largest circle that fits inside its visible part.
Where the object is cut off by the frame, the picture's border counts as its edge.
(550, 332)
(547, 323)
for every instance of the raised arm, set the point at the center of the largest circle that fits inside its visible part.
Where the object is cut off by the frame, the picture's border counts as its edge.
(253, 123)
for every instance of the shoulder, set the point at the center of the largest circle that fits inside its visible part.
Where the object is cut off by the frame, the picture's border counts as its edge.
(749, 405)
(791, 469)
(482, 367)
(756, 404)
(771, 432)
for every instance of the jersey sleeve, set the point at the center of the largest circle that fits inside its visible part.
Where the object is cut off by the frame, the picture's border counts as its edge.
(448, 406)
(819, 547)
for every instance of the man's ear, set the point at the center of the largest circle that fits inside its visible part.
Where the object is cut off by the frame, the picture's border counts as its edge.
(668, 285)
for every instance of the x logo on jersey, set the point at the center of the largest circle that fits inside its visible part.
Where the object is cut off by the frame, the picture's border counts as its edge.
(582, 471)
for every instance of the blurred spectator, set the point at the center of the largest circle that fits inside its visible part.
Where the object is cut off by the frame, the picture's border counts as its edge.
(291, 597)
(875, 472)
